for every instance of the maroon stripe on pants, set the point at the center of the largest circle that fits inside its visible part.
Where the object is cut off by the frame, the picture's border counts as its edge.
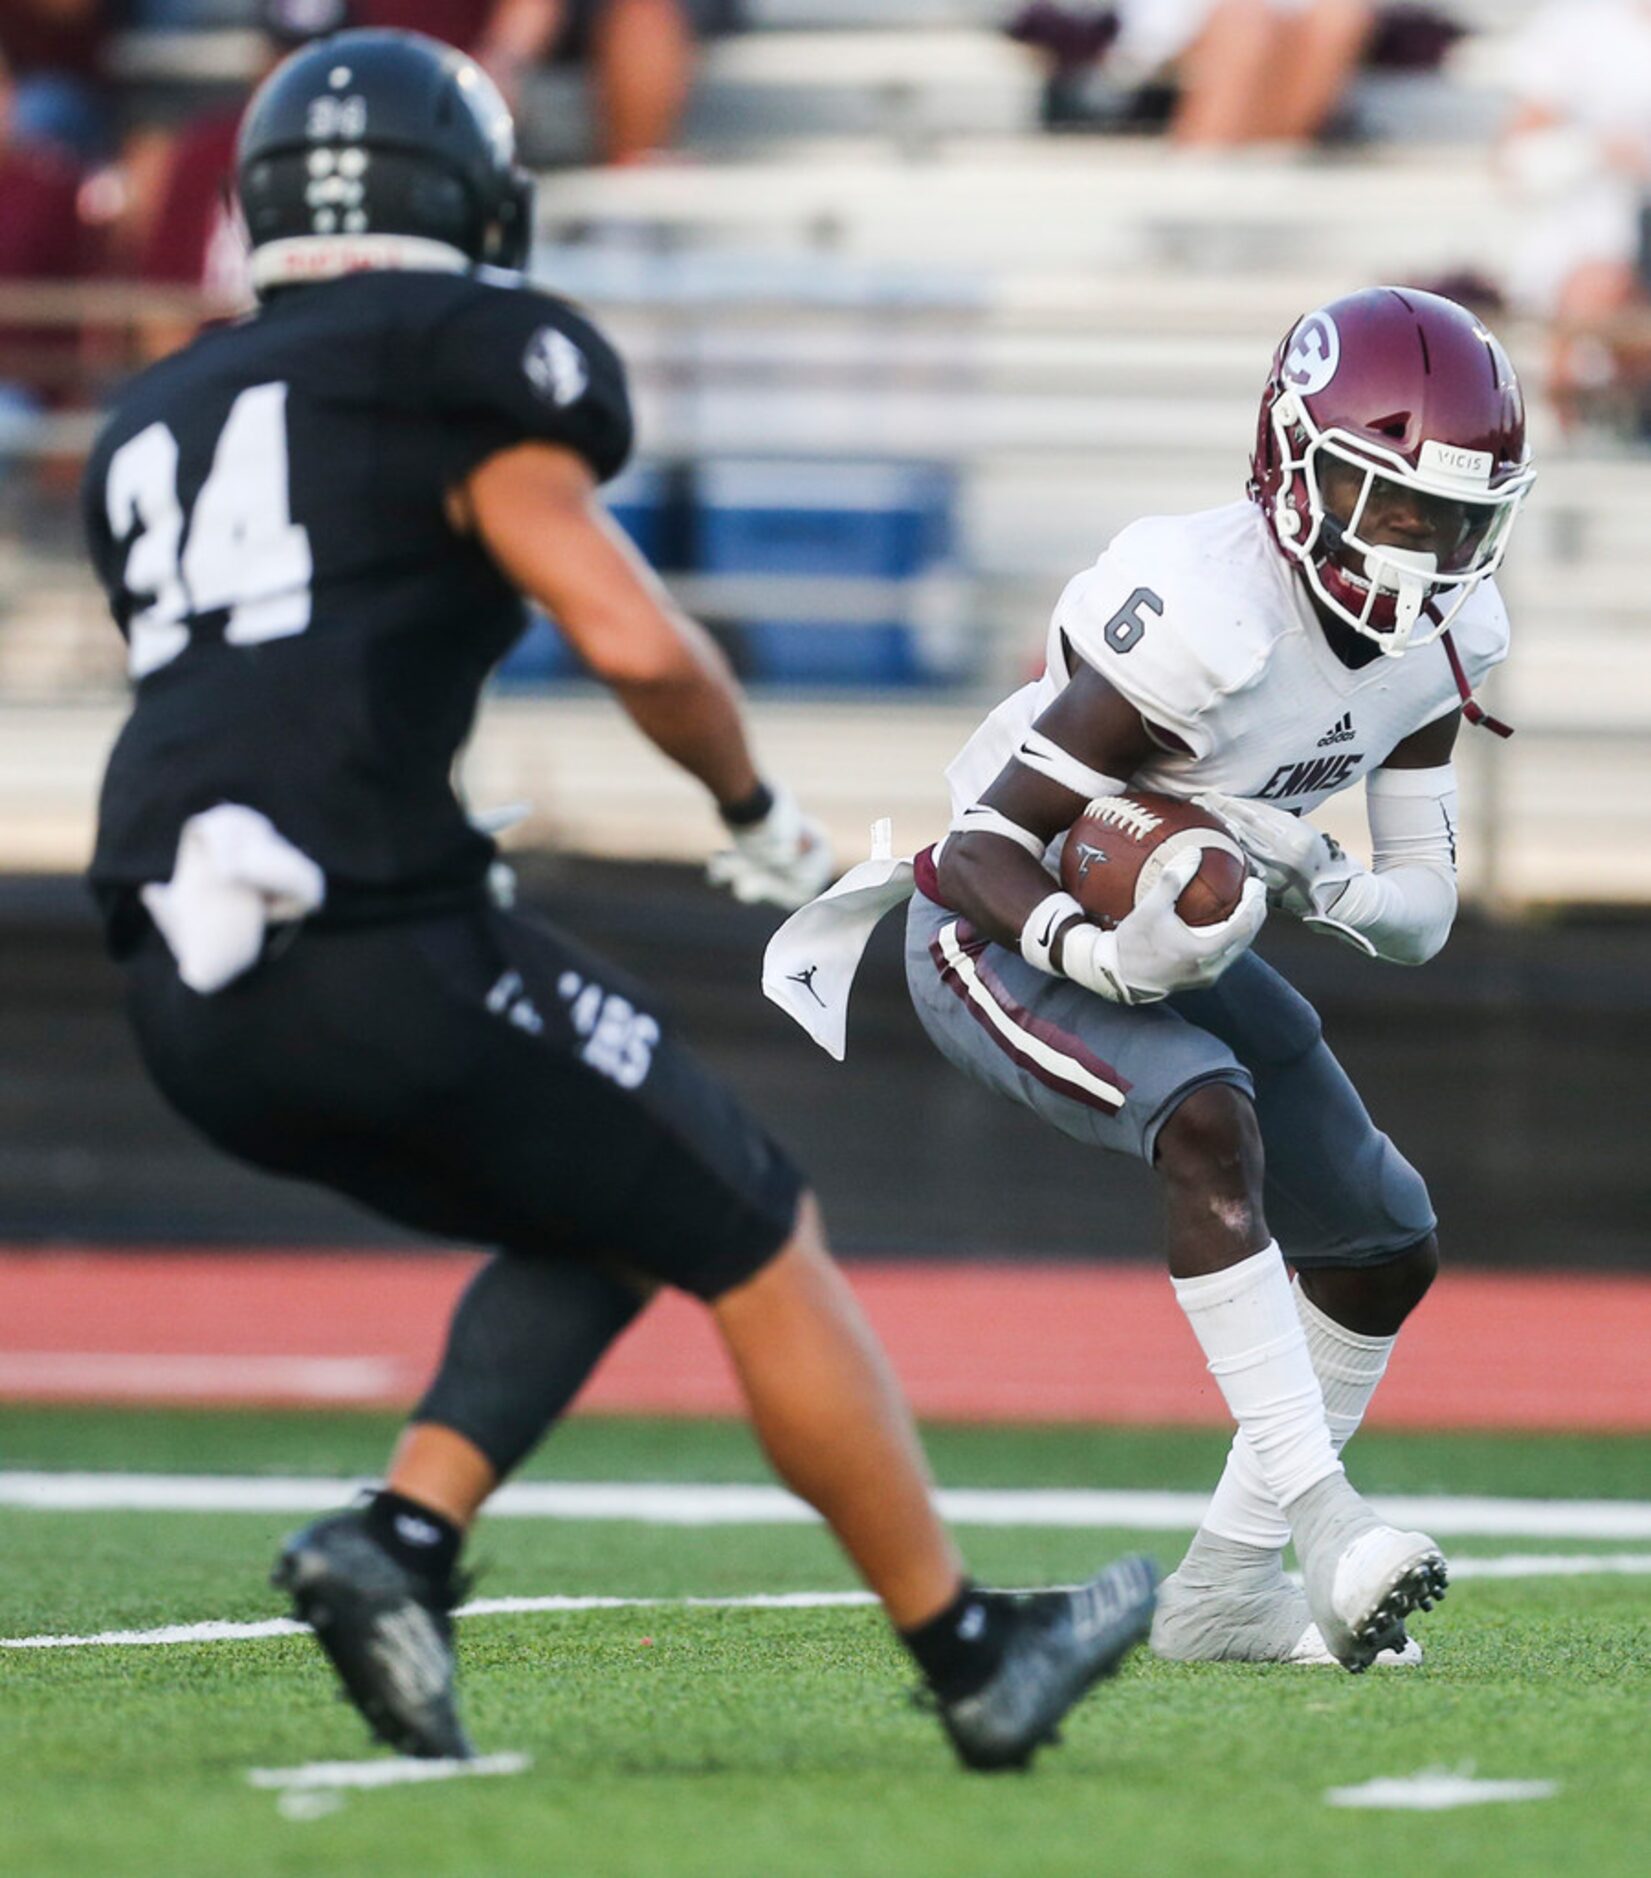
(1051, 1035)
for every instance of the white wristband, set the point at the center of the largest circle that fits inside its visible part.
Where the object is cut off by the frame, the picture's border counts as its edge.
(1045, 921)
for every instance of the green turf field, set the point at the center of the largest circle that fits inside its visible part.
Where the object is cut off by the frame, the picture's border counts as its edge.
(735, 1742)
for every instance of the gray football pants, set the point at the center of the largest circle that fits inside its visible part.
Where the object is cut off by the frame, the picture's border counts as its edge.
(1337, 1190)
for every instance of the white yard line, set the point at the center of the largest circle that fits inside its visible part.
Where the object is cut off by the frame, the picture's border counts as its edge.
(682, 1504)
(397, 1773)
(140, 1376)
(1437, 1791)
(1554, 1565)
(216, 1630)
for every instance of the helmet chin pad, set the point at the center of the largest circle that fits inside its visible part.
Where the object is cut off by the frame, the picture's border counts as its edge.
(1382, 597)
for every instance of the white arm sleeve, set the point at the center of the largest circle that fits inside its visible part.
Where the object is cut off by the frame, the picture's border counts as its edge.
(1405, 906)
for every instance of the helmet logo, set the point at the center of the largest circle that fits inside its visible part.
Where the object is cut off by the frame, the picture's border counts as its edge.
(555, 367)
(1315, 352)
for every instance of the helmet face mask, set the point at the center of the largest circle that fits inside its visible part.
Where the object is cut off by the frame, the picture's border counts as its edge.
(379, 149)
(1377, 541)
(1390, 461)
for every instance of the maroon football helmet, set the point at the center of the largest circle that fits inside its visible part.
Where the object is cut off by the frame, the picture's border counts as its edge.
(1391, 414)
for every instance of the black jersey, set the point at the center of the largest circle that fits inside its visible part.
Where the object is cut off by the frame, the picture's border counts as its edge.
(306, 632)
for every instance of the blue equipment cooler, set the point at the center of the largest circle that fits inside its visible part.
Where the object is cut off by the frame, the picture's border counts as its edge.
(879, 521)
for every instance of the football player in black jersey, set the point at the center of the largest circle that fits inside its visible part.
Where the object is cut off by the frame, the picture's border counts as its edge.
(314, 528)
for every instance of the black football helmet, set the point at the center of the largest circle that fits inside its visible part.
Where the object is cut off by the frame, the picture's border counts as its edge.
(376, 149)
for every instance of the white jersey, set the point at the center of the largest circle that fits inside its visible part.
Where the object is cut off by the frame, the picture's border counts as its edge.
(1203, 626)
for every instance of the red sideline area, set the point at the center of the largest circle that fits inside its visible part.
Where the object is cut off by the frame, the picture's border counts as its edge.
(972, 1342)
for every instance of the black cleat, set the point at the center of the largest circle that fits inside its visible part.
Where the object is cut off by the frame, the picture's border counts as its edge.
(1059, 1645)
(388, 1633)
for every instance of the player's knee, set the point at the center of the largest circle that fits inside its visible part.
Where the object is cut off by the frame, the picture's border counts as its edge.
(1397, 1285)
(1212, 1140)
(1411, 1274)
(805, 1250)
(808, 1229)
(1375, 1300)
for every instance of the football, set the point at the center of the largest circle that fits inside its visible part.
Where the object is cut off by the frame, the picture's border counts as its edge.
(1119, 846)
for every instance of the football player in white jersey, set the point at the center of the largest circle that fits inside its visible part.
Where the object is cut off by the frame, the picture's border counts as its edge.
(1259, 658)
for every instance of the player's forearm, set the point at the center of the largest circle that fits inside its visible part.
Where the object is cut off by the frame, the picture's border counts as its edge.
(536, 513)
(670, 676)
(1406, 913)
(992, 884)
(991, 869)
(693, 716)
(1406, 905)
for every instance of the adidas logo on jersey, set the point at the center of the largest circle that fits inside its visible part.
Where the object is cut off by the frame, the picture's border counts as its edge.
(1341, 731)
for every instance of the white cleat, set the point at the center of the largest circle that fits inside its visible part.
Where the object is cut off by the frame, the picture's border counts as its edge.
(1362, 1578)
(1228, 1603)
(1232, 1603)
(1311, 1653)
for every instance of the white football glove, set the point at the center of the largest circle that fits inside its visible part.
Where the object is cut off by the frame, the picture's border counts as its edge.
(1305, 872)
(784, 860)
(1152, 951)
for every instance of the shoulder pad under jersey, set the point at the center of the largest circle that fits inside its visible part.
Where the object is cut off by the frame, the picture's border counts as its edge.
(500, 351)
(1481, 630)
(1175, 615)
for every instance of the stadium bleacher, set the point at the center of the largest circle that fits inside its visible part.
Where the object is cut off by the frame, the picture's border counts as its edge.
(874, 257)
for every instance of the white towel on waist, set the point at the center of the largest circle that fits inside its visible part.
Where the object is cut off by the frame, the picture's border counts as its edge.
(233, 875)
(809, 966)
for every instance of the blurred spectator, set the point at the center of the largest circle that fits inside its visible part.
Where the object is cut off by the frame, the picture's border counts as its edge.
(54, 51)
(1263, 71)
(40, 241)
(640, 54)
(192, 236)
(1578, 147)
(179, 200)
(1246, 71)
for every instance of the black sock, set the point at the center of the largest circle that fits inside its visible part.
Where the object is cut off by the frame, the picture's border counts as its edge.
(958, 1650)
(414, 1536)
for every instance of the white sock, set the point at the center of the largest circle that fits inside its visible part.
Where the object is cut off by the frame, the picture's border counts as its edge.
(1255, 1344)
(1348, 1367)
